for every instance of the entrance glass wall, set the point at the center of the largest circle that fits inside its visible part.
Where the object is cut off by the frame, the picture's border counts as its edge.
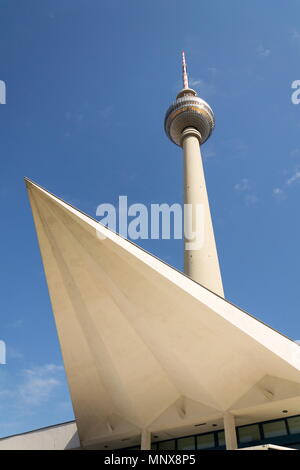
(284, 432)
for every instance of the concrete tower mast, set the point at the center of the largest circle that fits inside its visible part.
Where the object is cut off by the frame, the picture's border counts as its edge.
(189, 121)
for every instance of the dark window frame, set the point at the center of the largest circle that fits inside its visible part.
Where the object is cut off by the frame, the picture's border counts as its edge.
(289, 436)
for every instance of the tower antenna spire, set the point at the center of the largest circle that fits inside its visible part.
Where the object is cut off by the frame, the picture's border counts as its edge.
(184, 72)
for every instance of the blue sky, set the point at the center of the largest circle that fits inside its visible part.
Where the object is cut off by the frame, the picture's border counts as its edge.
(88, 83)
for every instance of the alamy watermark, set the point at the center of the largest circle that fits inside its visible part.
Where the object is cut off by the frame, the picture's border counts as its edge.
(2, 92)
(163, 221)
(295, 97)
(2, 352)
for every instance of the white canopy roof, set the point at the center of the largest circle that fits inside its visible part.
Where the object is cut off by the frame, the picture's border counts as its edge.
(144, 346)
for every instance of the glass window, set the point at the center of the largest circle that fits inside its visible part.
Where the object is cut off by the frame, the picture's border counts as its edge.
(294, 424)
(187, 443)
(206, 441)
(166, 445)
(221, 438)
(249, 433)
(277, 428)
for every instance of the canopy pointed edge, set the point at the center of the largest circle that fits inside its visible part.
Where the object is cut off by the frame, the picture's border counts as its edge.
(30, 183)
(143, 254)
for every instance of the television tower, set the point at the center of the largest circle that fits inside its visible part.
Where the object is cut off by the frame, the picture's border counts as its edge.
(189, 121)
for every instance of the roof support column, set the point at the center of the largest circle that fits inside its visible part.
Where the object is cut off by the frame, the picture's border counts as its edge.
(230, 432)
(146, 440)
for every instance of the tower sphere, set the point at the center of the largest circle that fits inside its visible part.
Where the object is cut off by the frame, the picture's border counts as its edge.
(189, 111)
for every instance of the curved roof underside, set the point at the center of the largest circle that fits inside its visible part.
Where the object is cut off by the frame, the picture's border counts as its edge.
(143, 345)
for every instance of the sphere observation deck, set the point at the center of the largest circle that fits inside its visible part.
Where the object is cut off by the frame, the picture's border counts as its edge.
(188, 111)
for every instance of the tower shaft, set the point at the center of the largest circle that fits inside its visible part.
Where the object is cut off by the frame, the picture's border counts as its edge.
(200, 262)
